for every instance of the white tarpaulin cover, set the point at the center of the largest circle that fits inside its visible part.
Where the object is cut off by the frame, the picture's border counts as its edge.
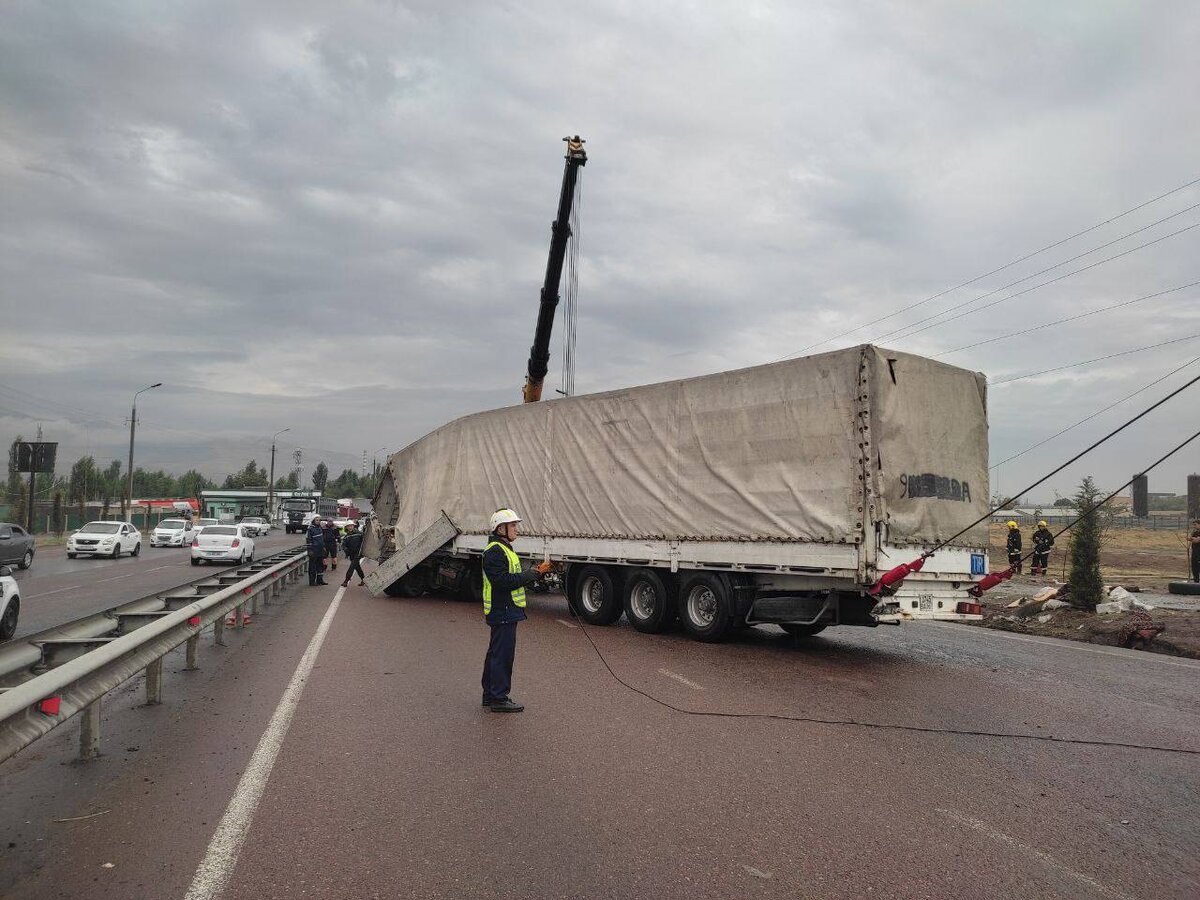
(812, 449)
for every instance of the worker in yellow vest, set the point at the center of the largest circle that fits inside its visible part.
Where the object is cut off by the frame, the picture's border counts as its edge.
(503, 607)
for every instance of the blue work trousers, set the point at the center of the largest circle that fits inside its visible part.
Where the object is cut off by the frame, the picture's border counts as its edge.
(498, 664)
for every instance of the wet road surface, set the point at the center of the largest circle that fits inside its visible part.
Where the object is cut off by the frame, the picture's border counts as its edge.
(391, 781)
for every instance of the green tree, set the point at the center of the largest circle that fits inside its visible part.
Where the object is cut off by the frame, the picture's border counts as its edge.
(83, 480)
(1087, 586)
(345, 485)
(251, 476)
(19, 505)
(111, 483)
(320, 476)
(191, 483)
(12, 489)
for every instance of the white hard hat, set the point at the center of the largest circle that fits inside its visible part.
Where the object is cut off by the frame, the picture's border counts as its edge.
(503, 516)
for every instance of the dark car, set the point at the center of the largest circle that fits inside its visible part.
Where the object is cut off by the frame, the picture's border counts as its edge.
(16, 546)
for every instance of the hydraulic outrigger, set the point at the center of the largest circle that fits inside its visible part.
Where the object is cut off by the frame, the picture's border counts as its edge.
(560, 231)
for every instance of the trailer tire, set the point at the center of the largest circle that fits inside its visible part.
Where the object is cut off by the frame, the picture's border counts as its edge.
(649, 601)
(706, 607)
(412, 583)
(595, 597)
(1184, 587)
(796, 630)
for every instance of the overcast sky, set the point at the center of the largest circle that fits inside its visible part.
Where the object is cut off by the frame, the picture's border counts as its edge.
(334, 217)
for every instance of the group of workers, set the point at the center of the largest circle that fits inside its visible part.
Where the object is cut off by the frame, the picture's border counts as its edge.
(322, 541)
(1043, 540)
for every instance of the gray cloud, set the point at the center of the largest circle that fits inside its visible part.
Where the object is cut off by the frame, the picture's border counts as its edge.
(221, 195)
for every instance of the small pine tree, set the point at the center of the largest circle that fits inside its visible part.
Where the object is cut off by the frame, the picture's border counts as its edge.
(1087, 587)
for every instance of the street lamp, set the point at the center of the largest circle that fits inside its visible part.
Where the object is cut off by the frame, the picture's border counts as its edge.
(132, 428)
(271, 482)
(375, 467)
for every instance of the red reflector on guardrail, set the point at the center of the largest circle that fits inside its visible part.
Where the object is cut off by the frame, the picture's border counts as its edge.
(194, 621)
(50, 706)
(969, 609)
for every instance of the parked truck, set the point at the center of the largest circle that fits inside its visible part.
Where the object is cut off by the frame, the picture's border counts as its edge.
(775, 494)
(298, 512)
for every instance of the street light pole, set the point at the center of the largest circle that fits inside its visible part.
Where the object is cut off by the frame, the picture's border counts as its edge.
(132, 429)
(271, 482)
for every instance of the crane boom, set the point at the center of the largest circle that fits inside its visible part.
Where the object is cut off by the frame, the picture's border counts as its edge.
(560, 231)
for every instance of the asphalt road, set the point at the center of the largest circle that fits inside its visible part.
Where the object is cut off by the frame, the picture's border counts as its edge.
(55, 589)
(391, 781)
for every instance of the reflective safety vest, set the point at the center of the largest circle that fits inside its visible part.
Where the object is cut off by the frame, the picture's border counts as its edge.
(514, 567)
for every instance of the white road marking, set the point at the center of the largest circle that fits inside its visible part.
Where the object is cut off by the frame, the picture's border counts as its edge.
(680, 679)
(215, 870)
(565, 622)
(69, 587)
(1045, 857)
(117, 577)
(1062, 643)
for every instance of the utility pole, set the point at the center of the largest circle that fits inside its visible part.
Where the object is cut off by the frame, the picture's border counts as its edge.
(132, 429)
(271, 481)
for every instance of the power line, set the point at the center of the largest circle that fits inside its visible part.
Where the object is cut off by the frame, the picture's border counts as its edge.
(1007, 265)
(1020, 293)
(1082, 453)
(1004, 337)
(1085, 362)
(1096, 413)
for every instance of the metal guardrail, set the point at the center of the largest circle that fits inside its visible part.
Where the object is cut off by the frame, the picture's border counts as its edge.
(47, 678)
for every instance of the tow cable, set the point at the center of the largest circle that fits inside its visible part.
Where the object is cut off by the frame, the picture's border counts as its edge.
(891, 579)
(990, 581)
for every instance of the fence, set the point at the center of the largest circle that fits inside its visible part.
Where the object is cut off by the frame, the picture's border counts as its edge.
(47, 678)
(43, 520)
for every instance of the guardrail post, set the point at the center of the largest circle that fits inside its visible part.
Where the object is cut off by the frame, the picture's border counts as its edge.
(89, 731)
(154, 683)
(219, 631)
(254, 603)
(193, 645)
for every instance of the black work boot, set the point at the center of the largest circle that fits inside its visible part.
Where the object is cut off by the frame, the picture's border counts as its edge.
(505, 705)
(486, 701)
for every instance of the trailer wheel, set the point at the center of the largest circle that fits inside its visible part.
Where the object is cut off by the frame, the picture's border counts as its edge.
(649, 602)
(796, 630)
(413, 583)
(706, 607)
(596, 599)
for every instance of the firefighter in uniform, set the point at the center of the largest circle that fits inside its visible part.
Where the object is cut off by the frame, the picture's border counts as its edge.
(1194, 542)
(1043, 540)
(1014, 547)
(504, 584)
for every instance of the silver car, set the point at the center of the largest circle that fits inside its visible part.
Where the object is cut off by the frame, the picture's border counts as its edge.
(16, 546)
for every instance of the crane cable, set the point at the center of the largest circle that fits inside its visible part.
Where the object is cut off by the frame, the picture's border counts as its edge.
(990, 581)
(893, 577)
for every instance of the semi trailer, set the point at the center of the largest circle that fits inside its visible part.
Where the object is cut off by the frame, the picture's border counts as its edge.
(773, 494)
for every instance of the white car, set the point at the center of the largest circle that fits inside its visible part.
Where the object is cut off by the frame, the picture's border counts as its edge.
(172, 533)
(223, 543)
(256, 526)
(105, 539)
(199, 525)
(10, 604)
